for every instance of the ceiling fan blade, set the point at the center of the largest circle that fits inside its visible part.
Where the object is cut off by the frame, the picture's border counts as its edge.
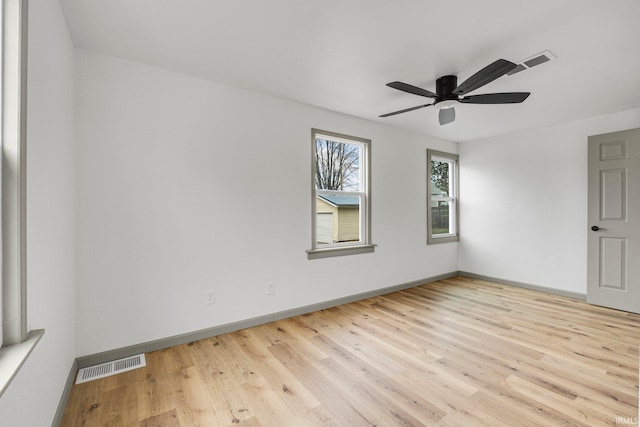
(485, 76)
(405, 110)
(446, 115)
(411, 89)
(496, 98)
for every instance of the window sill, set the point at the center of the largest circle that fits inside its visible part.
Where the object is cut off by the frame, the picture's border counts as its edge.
(12, 357)
(339, 251)
(443, 239)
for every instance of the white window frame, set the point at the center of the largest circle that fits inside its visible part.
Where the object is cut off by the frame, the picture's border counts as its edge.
(17, 343)
(452, 198)
(363, 245)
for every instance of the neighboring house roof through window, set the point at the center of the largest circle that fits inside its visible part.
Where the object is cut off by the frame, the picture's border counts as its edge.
(341, 201)
(435, 191)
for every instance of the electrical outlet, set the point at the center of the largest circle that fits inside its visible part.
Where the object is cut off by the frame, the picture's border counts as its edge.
(271, 288)
(210, 297)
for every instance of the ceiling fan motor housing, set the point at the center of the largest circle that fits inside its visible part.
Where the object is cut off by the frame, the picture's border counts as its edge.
(445, 86)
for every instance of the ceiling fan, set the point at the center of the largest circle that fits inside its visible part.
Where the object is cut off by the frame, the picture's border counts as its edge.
(448, 92)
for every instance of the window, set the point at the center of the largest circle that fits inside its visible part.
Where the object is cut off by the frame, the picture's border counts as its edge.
(16, 343)
(341, 206)
(442, 197)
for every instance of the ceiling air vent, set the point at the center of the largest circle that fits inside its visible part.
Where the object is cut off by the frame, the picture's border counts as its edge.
(532, 61)
(519, 68)
(111, 368)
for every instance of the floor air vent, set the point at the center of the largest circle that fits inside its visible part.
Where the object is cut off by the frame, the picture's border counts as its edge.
(110, 368)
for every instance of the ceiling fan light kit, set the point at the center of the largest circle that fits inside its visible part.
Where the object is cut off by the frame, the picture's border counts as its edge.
(450, 103)
(448, 92)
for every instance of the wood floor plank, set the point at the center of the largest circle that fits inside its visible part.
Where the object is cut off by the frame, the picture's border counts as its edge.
(83, 405)
(119, 407)
(165, 419)
(377, 382)
(193, 401)
(229, 403)
(156, 387)
(458, 352)
(564, 404)
(290, 391)
(322, 386)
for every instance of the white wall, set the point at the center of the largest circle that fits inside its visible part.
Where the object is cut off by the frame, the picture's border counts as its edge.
(524, 203)
(186, 185)
(32, 398)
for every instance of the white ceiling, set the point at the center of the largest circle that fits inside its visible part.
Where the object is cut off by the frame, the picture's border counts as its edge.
(339, 54)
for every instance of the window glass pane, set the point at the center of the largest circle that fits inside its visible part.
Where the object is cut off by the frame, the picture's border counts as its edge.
(440, 178)
(337, 219)
(440, 217)
(337, 165)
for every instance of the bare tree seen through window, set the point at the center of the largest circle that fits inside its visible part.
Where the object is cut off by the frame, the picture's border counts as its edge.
(337, 165)
(440, 175)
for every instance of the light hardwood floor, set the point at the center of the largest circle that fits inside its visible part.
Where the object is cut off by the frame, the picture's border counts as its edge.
(459, 352)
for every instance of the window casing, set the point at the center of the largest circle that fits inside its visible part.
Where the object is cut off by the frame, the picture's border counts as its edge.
(17, 343)
(442, 197)
(341, 202)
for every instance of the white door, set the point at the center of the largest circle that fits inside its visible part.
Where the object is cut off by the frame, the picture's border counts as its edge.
(324, 227)
(613, 272)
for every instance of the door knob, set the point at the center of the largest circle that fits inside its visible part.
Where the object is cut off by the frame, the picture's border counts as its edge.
(596, 228)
